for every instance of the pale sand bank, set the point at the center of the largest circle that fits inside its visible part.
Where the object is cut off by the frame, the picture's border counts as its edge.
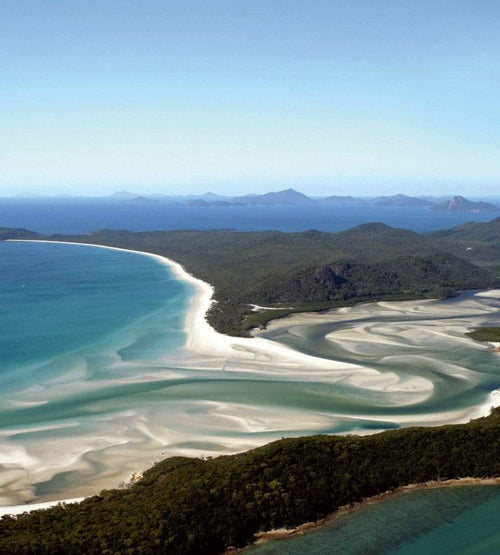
(495, 346)
(20, 509)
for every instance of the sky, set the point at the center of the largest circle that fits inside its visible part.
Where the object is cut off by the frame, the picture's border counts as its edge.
(235, 96)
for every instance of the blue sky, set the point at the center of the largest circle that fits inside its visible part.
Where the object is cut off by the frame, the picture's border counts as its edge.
(330, 97)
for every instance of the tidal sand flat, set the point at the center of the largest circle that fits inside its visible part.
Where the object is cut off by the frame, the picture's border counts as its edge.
(118, 368)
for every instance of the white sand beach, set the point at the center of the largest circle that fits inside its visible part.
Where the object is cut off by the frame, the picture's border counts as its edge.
(20, 509)
(106, 449)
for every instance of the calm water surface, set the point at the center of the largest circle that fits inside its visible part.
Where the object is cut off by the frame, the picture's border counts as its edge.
(461, 520)
(71, 216)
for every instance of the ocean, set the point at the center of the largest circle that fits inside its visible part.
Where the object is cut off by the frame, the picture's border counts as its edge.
(81, 216)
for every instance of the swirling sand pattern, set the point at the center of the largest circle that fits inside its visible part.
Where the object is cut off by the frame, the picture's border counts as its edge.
(99, 414)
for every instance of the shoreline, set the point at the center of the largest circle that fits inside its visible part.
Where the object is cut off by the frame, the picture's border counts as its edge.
(13, 510)
(206, 339)
(313, 526)
(210, 350)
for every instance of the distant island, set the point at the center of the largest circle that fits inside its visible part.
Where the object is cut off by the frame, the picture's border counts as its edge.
(288, 196)
(401, 200)
(142, 200)
(291, 197)
(461, 204)
(342, 200)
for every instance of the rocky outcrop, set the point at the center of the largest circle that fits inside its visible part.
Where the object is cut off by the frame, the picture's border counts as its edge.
(325, 274)
(461, 204)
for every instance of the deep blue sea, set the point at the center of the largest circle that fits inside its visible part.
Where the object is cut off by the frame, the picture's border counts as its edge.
(81, 216)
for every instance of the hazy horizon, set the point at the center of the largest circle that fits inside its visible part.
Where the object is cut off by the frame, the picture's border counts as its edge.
(154, 193)
(331, 97)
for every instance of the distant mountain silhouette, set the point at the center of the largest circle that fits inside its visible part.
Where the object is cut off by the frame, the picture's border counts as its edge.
(461, 204)
(123, 195)
(335, 199)
(288, 196)
(139, 199)
(401, 200)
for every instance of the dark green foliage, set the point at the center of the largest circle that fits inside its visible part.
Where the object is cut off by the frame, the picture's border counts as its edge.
(430, 274)
(485, 334)
(16, 233)
(477, 242)
(281, 269)
(192, 506)
(486, 232)
(227, 317)
(312, 270)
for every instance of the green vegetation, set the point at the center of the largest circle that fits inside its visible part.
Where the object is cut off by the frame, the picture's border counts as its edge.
(312, 270)
(486, 334)
(18, 233)
(192, 506)
(305, 271)
(477, 242)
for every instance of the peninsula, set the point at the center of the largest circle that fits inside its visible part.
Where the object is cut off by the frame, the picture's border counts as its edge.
(311, 270)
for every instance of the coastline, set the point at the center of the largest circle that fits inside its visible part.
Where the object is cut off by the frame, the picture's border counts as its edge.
(206, 350)
(494, 346)
(201, 336)
(211, 350)
(310, 527)
(13, 510)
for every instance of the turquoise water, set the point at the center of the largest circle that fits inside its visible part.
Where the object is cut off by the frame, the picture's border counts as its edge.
(461, 520)
(429, 344)
(63, 304)
(95, 382)
(64, 297)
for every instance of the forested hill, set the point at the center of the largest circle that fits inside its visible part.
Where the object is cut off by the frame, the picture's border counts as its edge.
(18, 233)
(472, 231)
(193, 506)
(477, 242)
(310, 270)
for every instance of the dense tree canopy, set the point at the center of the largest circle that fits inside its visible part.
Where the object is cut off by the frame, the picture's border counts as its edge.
(193, 506)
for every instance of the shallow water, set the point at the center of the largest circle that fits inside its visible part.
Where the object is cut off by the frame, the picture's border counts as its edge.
(426, 340)
(95, 382)
(461, 520)
(57, 300)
